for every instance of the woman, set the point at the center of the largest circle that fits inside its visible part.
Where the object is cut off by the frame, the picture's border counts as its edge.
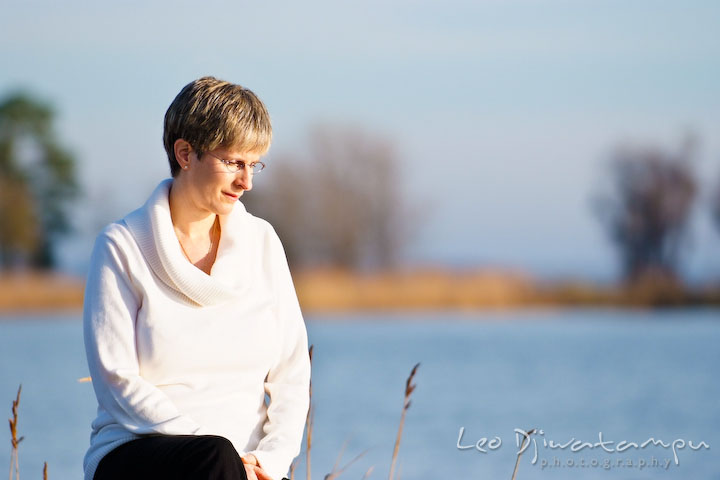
(190, 314)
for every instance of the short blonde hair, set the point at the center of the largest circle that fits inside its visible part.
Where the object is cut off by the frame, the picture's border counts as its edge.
(209, 113)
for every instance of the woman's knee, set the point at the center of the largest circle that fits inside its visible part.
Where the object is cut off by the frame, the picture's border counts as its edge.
(221, 446)
(219, 458)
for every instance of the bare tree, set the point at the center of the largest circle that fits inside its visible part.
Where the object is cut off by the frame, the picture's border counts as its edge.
(646, 213)
(715, 205)
(279, 195)
(340, 204)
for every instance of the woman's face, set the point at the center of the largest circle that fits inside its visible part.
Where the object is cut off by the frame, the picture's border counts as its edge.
(213, 187)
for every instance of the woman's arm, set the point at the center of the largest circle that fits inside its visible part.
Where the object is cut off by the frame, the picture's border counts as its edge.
(109, 314)
(287, 382)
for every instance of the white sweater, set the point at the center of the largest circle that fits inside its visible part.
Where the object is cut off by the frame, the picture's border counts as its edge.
(175, 351)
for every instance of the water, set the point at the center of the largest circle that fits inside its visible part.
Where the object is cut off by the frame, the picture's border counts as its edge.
(573, 374)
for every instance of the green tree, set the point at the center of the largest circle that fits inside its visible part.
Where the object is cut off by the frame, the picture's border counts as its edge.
(37, 182)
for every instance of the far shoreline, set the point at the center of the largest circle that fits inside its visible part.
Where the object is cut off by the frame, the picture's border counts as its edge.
(511, 315)
(327, 291)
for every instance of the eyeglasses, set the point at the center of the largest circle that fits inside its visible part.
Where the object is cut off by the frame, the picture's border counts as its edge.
(236, 166)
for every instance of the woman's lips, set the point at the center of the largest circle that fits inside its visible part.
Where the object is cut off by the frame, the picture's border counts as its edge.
(231, 195)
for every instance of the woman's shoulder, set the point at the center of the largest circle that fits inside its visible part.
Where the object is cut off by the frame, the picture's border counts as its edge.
(264, 237)
(116, 236)
(114, 248)
(259, 226)
(263, 226)
(116, 231)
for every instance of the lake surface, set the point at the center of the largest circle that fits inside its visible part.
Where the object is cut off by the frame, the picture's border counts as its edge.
(573, 374)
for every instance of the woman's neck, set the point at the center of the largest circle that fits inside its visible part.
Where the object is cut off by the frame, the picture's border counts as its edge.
(188, 220)
(197, 230)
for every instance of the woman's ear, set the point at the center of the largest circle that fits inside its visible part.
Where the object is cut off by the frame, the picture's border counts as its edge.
(182, 153)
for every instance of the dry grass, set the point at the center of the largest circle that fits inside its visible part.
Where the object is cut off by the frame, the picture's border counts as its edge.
(521, 450)
(428, 289)
(14, 440)
(409, 388)
(418, 289)
(309, 421)
(40, 291)
(320, 290)
(336, 469)
(333, 475)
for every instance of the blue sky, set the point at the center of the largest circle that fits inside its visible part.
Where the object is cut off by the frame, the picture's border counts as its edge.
(503, 111)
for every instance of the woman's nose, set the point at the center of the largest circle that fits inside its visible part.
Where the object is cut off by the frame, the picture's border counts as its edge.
(243, 178)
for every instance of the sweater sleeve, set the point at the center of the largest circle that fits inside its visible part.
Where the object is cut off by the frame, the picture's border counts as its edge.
(287, 383)
(109, 314)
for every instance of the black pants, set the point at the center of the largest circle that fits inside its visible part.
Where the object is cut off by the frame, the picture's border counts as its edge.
(173, 457)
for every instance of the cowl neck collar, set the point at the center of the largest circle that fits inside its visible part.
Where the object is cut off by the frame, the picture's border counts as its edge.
(152, 227)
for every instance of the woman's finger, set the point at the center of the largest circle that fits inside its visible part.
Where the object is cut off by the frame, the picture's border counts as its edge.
(250, 472)
(261, 474)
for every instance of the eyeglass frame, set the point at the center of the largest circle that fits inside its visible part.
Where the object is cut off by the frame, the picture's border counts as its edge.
(240, 164)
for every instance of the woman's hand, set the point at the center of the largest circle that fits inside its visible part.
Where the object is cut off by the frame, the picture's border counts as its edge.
(256, 473)
(253, 469)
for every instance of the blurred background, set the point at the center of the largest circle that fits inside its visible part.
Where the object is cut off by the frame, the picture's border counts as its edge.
(523, 196)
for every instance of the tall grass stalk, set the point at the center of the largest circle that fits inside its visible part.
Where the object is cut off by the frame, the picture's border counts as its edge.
(368, 473)
(522, 445)
(293, 466)
(309, 422)
(409, 388)
(336, 472)
(14, 440)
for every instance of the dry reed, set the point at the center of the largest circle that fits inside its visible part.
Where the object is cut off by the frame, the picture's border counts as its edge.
(309, 421)
(293, 466)
(522, 444)
(409, 388)
(14, 440)
(368, 473)
(336, 472)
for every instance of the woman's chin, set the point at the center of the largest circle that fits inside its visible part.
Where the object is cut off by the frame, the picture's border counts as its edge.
(225, 208)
